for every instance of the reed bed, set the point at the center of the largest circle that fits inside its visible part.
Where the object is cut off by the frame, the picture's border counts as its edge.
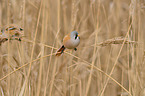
(109, 61)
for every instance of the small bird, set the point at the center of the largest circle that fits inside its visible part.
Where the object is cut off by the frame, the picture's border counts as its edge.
(12, 32)
(70, 41)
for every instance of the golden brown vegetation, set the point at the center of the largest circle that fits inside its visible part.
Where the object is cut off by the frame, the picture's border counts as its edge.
(109, 61)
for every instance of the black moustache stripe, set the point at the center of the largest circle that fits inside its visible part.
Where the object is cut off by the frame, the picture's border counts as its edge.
(76, 36)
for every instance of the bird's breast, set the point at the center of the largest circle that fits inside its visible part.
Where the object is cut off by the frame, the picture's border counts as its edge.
(71, 43)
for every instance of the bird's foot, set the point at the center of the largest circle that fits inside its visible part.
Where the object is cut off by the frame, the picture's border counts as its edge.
(75, 49)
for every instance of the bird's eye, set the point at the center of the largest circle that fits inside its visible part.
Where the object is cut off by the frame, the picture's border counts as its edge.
(21, 29)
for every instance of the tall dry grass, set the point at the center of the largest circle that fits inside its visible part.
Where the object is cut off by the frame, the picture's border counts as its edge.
(109, 61)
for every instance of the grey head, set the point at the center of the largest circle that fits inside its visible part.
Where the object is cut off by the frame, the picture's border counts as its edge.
(74, 35)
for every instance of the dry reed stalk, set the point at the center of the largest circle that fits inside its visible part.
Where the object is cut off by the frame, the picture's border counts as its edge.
(116, 40)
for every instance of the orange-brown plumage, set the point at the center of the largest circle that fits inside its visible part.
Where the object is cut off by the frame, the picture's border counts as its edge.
(66, 38)
(60, 51)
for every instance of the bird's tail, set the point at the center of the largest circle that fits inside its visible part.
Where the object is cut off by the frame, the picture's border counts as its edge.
(60, 51)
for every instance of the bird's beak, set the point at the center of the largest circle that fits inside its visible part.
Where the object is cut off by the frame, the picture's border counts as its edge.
(79, 36)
